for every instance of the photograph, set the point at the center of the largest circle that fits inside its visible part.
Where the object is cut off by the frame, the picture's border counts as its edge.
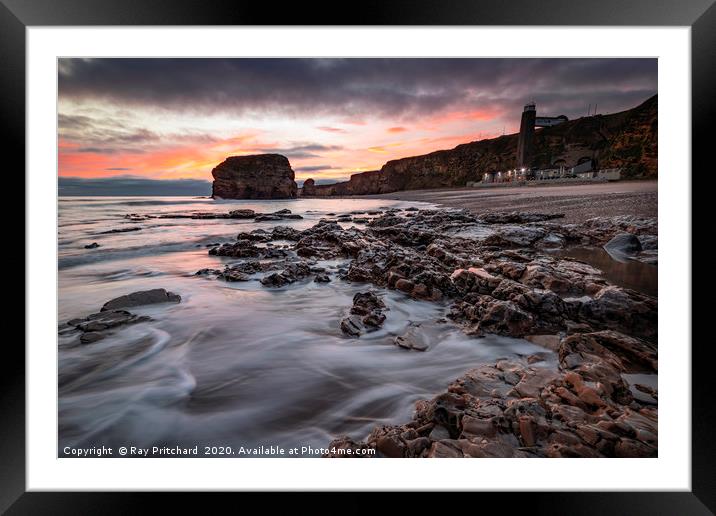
(359, 257)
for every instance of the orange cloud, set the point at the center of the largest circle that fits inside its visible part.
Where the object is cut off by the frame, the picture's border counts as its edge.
(441, 120)
(382, 149)
(397, 129)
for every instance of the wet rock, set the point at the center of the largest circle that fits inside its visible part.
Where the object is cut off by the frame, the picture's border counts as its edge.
(240, 249)
(121, 230)
(285, 233)
(622, 310)
(405, 285)
(275, 279)
(322, 278)
(490, 315)
(623, 246)
(237, 272)
(282, 214)
(254, 236)
(144, 297)
(292, 272)
(649, 242)
(267, 217)
(550, 342)
(93, 245)
(548, 278)
(366, 315)
(609, 349)
(552, 241)
(474, 279)
(515, 237)
(234, 275)
(366, 302)
(413, 339)
(517, 217)
(91, 336)
(242, 214)
(352, 326)
(97, 326)
(207, 272)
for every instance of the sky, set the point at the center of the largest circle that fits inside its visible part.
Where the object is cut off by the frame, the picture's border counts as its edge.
(125, 120)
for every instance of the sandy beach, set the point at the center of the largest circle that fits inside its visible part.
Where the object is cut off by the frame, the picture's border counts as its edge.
(578, 202)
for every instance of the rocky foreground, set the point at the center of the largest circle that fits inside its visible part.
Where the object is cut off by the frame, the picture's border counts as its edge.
(507, 280)
(506, 283)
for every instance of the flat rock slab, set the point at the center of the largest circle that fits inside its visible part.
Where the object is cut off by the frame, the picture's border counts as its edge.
(144, 297)
(97, 326)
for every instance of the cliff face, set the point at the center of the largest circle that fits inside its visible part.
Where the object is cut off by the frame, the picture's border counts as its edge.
(260, 176)
(466, 162)
(626, 140)
(635, 146)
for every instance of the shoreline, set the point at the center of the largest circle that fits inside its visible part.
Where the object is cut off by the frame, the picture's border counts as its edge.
(578, 202)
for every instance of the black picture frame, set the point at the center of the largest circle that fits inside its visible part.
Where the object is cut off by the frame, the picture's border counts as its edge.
(700, 15)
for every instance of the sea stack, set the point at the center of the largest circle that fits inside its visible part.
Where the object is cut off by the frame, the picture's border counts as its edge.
(259, 176)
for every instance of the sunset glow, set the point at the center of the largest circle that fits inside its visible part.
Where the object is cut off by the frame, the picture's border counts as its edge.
(169, 119)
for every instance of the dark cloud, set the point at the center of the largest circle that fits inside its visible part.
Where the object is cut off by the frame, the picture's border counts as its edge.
(109, 150)
(131, 186)
(313, 168)
(355, 87)
(302, 151)
(118, 168)
(104, 135)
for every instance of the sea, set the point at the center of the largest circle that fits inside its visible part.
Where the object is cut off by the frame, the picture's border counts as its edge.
(235, 365)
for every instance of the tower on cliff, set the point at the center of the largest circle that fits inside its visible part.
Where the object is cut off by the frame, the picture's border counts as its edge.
(527, 133)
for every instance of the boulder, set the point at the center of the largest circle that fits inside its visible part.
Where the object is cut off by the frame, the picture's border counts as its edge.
(623, 246)
(144, 297)
(260, 176)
